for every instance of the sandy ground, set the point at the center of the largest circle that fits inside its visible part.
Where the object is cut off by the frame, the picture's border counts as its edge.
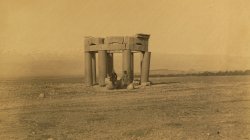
(173, 108)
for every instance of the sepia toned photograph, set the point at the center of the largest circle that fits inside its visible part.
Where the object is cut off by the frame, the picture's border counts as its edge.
(124, 70)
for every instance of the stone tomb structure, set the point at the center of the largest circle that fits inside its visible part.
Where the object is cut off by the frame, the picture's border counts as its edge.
(105, 47)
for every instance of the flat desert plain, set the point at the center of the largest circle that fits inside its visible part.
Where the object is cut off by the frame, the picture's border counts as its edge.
(172, 108)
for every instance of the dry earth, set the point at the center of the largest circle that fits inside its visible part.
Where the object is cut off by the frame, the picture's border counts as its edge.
(173, 108)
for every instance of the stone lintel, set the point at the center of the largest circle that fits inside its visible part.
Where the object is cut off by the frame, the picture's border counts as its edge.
(139, 42)
(93, 41)
(114, 39)
(143, 36)
(116, 47)
(105, 47)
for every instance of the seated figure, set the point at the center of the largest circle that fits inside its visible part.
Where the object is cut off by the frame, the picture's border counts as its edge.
(113, 77)
(111, 83)
(125, 80)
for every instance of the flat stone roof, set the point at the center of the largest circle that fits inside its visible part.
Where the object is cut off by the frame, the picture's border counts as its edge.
(139, 42)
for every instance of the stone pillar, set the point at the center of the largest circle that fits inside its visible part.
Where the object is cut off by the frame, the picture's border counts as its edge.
(88, 69)
(141, 58)
(110, 62)
(132, 66)
(102, 66)
(126, 63)
(145, 67)
(93, 59)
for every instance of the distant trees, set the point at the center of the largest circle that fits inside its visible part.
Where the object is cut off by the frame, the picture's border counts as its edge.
(224, 73)
(206, 73)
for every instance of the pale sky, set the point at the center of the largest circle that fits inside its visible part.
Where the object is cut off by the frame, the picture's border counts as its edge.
(43, 37)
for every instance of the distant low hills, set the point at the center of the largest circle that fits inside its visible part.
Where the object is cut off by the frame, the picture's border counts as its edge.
(72, 64)
(165, 72)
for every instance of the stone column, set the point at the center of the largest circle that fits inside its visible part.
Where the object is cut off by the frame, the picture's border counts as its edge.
(102, 66)
(145, 67)
(88, 69)
(110, 62)
(141, 58)
(126, 63)
(132, 66)
(93, 59)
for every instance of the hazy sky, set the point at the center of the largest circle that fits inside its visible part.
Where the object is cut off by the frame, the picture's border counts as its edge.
(43, 37)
